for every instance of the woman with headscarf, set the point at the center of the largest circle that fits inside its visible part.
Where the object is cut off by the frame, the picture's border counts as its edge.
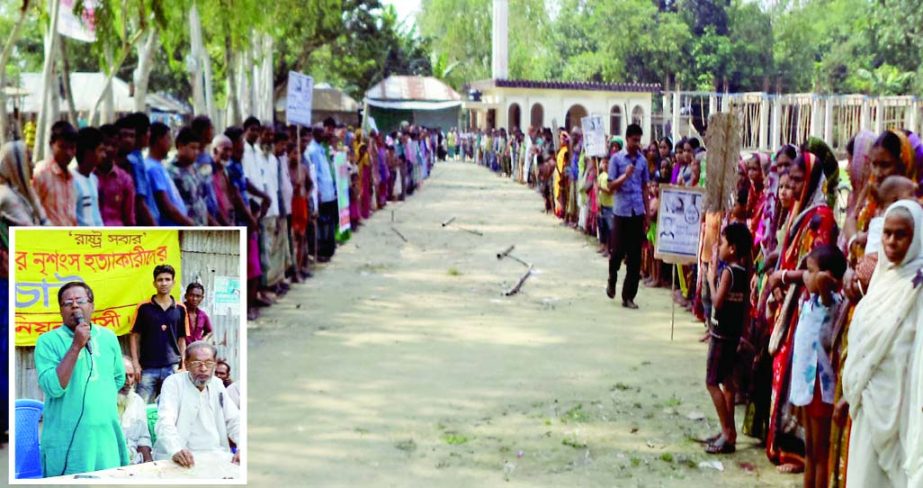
(364, 163)
(810, 224)
(18, 206)
(572, 208)
(857, 150)
(882, 393)
(561, 185)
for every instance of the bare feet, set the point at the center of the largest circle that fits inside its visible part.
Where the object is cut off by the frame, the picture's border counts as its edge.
(790, 468)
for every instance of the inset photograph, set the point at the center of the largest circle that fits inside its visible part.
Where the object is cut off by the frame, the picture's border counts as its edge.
(129, 355)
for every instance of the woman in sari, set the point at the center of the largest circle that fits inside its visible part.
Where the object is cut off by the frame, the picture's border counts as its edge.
(561, 186)
(364, 162)
(857, 151)
(810, 224)
(881, 392)
(18, 206)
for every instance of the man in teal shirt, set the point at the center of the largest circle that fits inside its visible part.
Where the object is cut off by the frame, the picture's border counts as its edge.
(80, 370)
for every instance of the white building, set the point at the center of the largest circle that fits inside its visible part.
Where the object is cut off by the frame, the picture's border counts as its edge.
(521, 104)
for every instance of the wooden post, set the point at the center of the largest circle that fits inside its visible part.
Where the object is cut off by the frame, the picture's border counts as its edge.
(712, 104)
(865, 120)
(816, 120)
(879, 116)
(828, 121)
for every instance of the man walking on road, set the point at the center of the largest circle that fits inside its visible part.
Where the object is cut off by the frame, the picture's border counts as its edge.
(628, 178)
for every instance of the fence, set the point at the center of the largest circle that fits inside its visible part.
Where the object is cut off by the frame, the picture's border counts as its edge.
(768, 121)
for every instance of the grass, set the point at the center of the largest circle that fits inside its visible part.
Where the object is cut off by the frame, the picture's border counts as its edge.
(575, 414)
(573, 442)
(454, 272)
(454, 439)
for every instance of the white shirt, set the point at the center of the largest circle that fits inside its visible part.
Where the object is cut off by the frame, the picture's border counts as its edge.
(134, 426)
(251, 165)
(87, 199)
(269, 165)
(183, 411)
(286, 191)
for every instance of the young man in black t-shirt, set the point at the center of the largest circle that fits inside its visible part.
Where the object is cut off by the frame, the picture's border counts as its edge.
(158, 337)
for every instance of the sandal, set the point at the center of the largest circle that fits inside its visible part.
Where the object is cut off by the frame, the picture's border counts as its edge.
(721, 446)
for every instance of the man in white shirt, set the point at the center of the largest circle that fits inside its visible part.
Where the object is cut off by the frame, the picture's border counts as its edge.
(133, 418)
(90, 153)
(195, 416)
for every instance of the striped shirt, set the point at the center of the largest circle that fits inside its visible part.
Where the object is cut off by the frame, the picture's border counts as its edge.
(56, 192)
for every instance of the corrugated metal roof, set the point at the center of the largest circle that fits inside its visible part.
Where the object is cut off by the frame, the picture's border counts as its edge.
(325, 99)
(420, 88)
(86, 87)
(569, 85)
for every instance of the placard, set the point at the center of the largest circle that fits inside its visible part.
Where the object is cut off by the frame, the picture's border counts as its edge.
(299, 98)
(82, 28)
(679, 222)
(341, 170)
(227, 296)
(594, 136)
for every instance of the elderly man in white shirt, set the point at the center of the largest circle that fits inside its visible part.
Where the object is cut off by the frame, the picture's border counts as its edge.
(195, 416)
(133, 418)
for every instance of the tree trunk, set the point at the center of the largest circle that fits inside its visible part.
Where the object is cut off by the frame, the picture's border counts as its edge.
(142, 74)
(43, 125)
(66, 80)
(232, 116)
(4, 58)
(113, 69)
(195, 68)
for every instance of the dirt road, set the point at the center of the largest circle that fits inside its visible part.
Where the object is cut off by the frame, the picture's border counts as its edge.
(403, 363)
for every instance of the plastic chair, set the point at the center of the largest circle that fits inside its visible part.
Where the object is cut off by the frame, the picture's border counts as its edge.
(152, 421)
(28, 450)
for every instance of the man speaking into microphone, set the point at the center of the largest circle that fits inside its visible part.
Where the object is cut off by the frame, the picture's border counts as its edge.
(80, 370)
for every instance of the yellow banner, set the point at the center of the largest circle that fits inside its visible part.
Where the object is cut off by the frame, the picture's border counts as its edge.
(117, 264)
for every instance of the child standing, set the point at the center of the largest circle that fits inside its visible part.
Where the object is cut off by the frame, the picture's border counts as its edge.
(730, 290)
(813, 379)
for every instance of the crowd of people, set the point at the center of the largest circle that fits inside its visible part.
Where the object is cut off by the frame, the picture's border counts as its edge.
(97, 398)
(812, 304)
(138, 173)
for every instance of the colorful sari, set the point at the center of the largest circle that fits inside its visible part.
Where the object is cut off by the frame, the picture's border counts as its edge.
(561, 186)
(811, 224)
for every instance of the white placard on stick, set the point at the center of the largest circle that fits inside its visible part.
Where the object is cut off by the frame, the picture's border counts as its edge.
(594, 135)
(299, 98)
(679, 222)
(80, 27)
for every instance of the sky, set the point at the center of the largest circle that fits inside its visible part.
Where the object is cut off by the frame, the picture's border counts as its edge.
(406, 9)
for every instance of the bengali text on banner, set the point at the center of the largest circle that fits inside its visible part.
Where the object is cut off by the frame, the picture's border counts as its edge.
(117, 264)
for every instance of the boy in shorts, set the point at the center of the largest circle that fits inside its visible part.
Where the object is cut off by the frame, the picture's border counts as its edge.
(730, 291)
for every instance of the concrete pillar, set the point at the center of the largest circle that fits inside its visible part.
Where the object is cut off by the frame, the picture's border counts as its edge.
(677, 107)
(879, 116)
(816, 117)
(910, 120)
(667, 115)
(712, 104)
(828, 121)
(775, 135)
(764, 122)
(499, 60)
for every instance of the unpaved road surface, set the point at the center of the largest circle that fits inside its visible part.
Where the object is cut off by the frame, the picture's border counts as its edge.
(403, 363)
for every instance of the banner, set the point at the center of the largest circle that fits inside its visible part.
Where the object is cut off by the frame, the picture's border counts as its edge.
(594, 136)
(679, 221)
(117, 264)
(341, 170)
(82, 28)
(299, 98)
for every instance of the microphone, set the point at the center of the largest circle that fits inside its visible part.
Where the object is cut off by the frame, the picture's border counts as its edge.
(80, 320)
